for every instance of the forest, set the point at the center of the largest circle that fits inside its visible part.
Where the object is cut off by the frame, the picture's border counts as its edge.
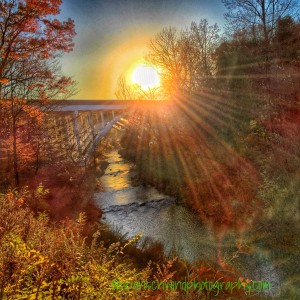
(226, 145)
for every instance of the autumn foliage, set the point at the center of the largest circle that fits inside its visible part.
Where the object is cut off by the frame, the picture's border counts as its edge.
(31, 39)
(47, 260)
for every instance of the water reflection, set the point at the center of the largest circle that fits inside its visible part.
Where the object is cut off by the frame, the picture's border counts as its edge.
(116, 176)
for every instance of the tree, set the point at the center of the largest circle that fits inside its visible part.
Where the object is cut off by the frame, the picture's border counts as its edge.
(287, 38)
(27, 29)
(166, 53)
(258, 21)
(261, 16)
(184, 58)
(126, 91)
(30, 40)
(205, 37)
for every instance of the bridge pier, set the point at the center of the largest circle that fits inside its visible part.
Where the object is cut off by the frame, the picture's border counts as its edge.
(76, 134)
(102, 120)
(76, 131)
(91, 123)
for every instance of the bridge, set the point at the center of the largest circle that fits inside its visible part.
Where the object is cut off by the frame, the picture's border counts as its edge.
(79, 125)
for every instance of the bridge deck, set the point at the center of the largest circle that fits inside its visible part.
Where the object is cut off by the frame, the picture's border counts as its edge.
(88, 105)
(79, 107)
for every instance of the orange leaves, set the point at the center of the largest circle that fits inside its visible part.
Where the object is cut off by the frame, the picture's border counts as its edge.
(34, 36)
(244, 282)
(33, 112)
(241, 279)
(10, 196)
(20, 202)
(22, 106)
(37, 85)
(4, 81)
(5, 104)
(14, 198)
(31, 30)
(61, 84)
(60, 34)
(46, 7)
(31, 38)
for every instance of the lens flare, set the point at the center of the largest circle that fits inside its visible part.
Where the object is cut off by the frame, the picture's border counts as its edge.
(145, 76)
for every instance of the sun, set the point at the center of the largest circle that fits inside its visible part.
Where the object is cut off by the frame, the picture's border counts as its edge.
(145, 76)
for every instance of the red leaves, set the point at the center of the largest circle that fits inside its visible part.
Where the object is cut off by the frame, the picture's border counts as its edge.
(31, 36)
(62, 83)
(29, 30)
(60, 35)
(46, 7)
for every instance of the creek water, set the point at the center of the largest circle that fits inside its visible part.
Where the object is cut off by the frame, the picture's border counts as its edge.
(142, 209)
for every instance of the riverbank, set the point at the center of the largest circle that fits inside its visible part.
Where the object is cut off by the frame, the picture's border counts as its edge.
(77, 255)
(228, 190)
(120, 201)
(42, 259)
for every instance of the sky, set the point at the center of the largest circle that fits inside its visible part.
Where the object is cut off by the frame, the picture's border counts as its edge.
(113, 36)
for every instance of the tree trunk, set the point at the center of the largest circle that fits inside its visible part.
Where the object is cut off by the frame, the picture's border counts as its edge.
(15, 156)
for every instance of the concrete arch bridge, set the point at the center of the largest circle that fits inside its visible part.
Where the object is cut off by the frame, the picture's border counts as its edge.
(77, 126)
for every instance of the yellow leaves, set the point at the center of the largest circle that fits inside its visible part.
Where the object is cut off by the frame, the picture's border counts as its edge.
(33, 296)
(130, 242)
(41, 191)
(12, 244)
(42, 266)
(31, 252)
(41, 260)
(82, 219)
(45, 284)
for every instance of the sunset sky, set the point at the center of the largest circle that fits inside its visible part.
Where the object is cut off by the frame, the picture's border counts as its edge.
(112, 36)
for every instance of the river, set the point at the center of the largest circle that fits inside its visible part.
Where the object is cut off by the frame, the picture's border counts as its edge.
(142, 209)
